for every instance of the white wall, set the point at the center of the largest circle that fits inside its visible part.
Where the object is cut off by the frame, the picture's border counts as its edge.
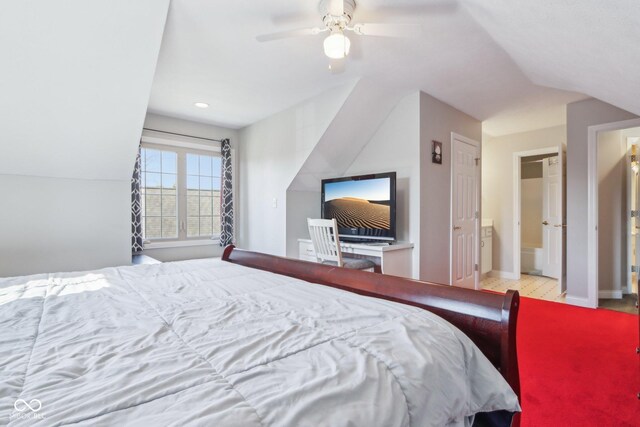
(581, 115)
(74, 84)
(498, 185)
(612, 213)
(437, 121)
(300, 206)
(53, 224)
(195, 129)
(272, 152)
(395, 147)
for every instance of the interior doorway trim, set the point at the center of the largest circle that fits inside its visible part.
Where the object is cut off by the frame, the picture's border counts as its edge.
(517, 214)
(592, 203)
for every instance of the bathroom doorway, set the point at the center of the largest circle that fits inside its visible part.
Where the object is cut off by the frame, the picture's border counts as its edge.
(539, 216)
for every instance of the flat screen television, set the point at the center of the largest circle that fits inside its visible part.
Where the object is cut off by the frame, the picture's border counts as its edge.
(364, 206)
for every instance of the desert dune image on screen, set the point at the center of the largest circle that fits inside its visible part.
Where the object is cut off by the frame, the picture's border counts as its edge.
(359, 204)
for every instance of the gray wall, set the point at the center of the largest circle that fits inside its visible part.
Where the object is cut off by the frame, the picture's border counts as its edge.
(531, 212)
(581, 115)
(612, 210)
(437, 121)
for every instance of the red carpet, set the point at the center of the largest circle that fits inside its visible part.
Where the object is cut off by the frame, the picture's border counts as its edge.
(578, 366)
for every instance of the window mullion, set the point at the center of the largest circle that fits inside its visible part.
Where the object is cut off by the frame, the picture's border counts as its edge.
(182, 199)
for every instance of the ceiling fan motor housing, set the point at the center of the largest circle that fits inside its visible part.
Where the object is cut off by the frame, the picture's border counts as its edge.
(337, 22)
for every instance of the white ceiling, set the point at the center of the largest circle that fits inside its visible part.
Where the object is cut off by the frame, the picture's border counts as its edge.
(501, 61)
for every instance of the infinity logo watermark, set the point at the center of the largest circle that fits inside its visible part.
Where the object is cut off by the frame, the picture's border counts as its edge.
(21, 405)
(26, 410)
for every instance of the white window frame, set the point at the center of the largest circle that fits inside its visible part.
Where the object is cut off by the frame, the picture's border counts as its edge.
(182, 145)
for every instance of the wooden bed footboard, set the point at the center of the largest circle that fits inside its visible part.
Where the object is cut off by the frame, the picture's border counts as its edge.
(488, 319)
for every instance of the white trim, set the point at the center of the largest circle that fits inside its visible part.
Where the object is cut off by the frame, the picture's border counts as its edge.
(181, 243)
(148, 139)
(189, 144)
(629, 176)
(498, 274)
(478, 220)
(609, 294)
(577, 301)
(592, 203)
(517, 156)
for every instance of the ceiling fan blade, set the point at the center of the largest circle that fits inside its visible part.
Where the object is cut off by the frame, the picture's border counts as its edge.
(288, 34)
(336, 7)
(337, 66)
(388, 30)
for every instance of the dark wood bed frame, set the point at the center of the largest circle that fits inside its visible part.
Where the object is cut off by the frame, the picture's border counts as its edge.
(488, 319)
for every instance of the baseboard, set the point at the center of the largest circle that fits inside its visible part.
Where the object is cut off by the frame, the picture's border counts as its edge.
(610, 294)
(503, 275)
(577, 301)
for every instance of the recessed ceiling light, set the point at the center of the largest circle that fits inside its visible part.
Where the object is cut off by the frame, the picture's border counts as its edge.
(201, 105)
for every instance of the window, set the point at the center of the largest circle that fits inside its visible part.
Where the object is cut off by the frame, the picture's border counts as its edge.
(180, 190)
(203, 195)
(158, 188)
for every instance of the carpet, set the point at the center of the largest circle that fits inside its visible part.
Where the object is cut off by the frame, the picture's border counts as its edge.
(578, 366)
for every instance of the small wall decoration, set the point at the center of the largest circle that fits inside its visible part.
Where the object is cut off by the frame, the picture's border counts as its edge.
(436, 153)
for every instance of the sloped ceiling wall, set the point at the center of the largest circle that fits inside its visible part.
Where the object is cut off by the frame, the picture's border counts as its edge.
(75, 81)
(271, 153)
(358, 119)
(587, 46)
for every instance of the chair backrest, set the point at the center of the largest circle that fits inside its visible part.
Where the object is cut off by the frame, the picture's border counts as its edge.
(324, 236)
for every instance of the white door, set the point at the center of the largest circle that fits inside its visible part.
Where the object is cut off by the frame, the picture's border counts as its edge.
(552, 218)
(464, 208)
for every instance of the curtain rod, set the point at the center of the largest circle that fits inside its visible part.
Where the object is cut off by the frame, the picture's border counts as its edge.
(181, 134)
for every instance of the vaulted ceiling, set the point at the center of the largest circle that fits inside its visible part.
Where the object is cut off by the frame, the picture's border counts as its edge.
(512, 63)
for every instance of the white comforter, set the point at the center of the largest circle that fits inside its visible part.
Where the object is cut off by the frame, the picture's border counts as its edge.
(211, 343)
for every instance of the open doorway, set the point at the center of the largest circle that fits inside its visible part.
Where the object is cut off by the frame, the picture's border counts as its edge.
(618, 217)
(530, 228)
(539, 226)
(540, 217)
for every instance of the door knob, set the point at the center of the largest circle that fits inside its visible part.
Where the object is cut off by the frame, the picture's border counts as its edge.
(545, 222)
(457, 227)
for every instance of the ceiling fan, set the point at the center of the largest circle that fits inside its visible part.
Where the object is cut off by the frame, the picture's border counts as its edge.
(336, 17)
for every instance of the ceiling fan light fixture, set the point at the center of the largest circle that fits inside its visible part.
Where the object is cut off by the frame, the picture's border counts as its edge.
(337, 45)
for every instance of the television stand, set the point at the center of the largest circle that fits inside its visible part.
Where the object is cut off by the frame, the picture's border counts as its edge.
(393, 259)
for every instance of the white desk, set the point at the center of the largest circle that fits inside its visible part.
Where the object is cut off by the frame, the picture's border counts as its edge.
(394, 259)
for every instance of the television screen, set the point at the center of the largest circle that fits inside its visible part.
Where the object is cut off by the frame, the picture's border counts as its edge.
(364, 206)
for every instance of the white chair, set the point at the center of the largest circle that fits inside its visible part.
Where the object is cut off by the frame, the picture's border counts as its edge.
(326, 243)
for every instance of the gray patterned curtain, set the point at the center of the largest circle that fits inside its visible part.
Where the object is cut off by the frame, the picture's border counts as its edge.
(136, 209)
(226, 196)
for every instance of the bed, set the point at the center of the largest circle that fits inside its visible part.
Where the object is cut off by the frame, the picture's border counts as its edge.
(253, 340)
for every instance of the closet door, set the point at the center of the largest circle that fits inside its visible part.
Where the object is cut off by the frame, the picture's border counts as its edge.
(464, 210)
